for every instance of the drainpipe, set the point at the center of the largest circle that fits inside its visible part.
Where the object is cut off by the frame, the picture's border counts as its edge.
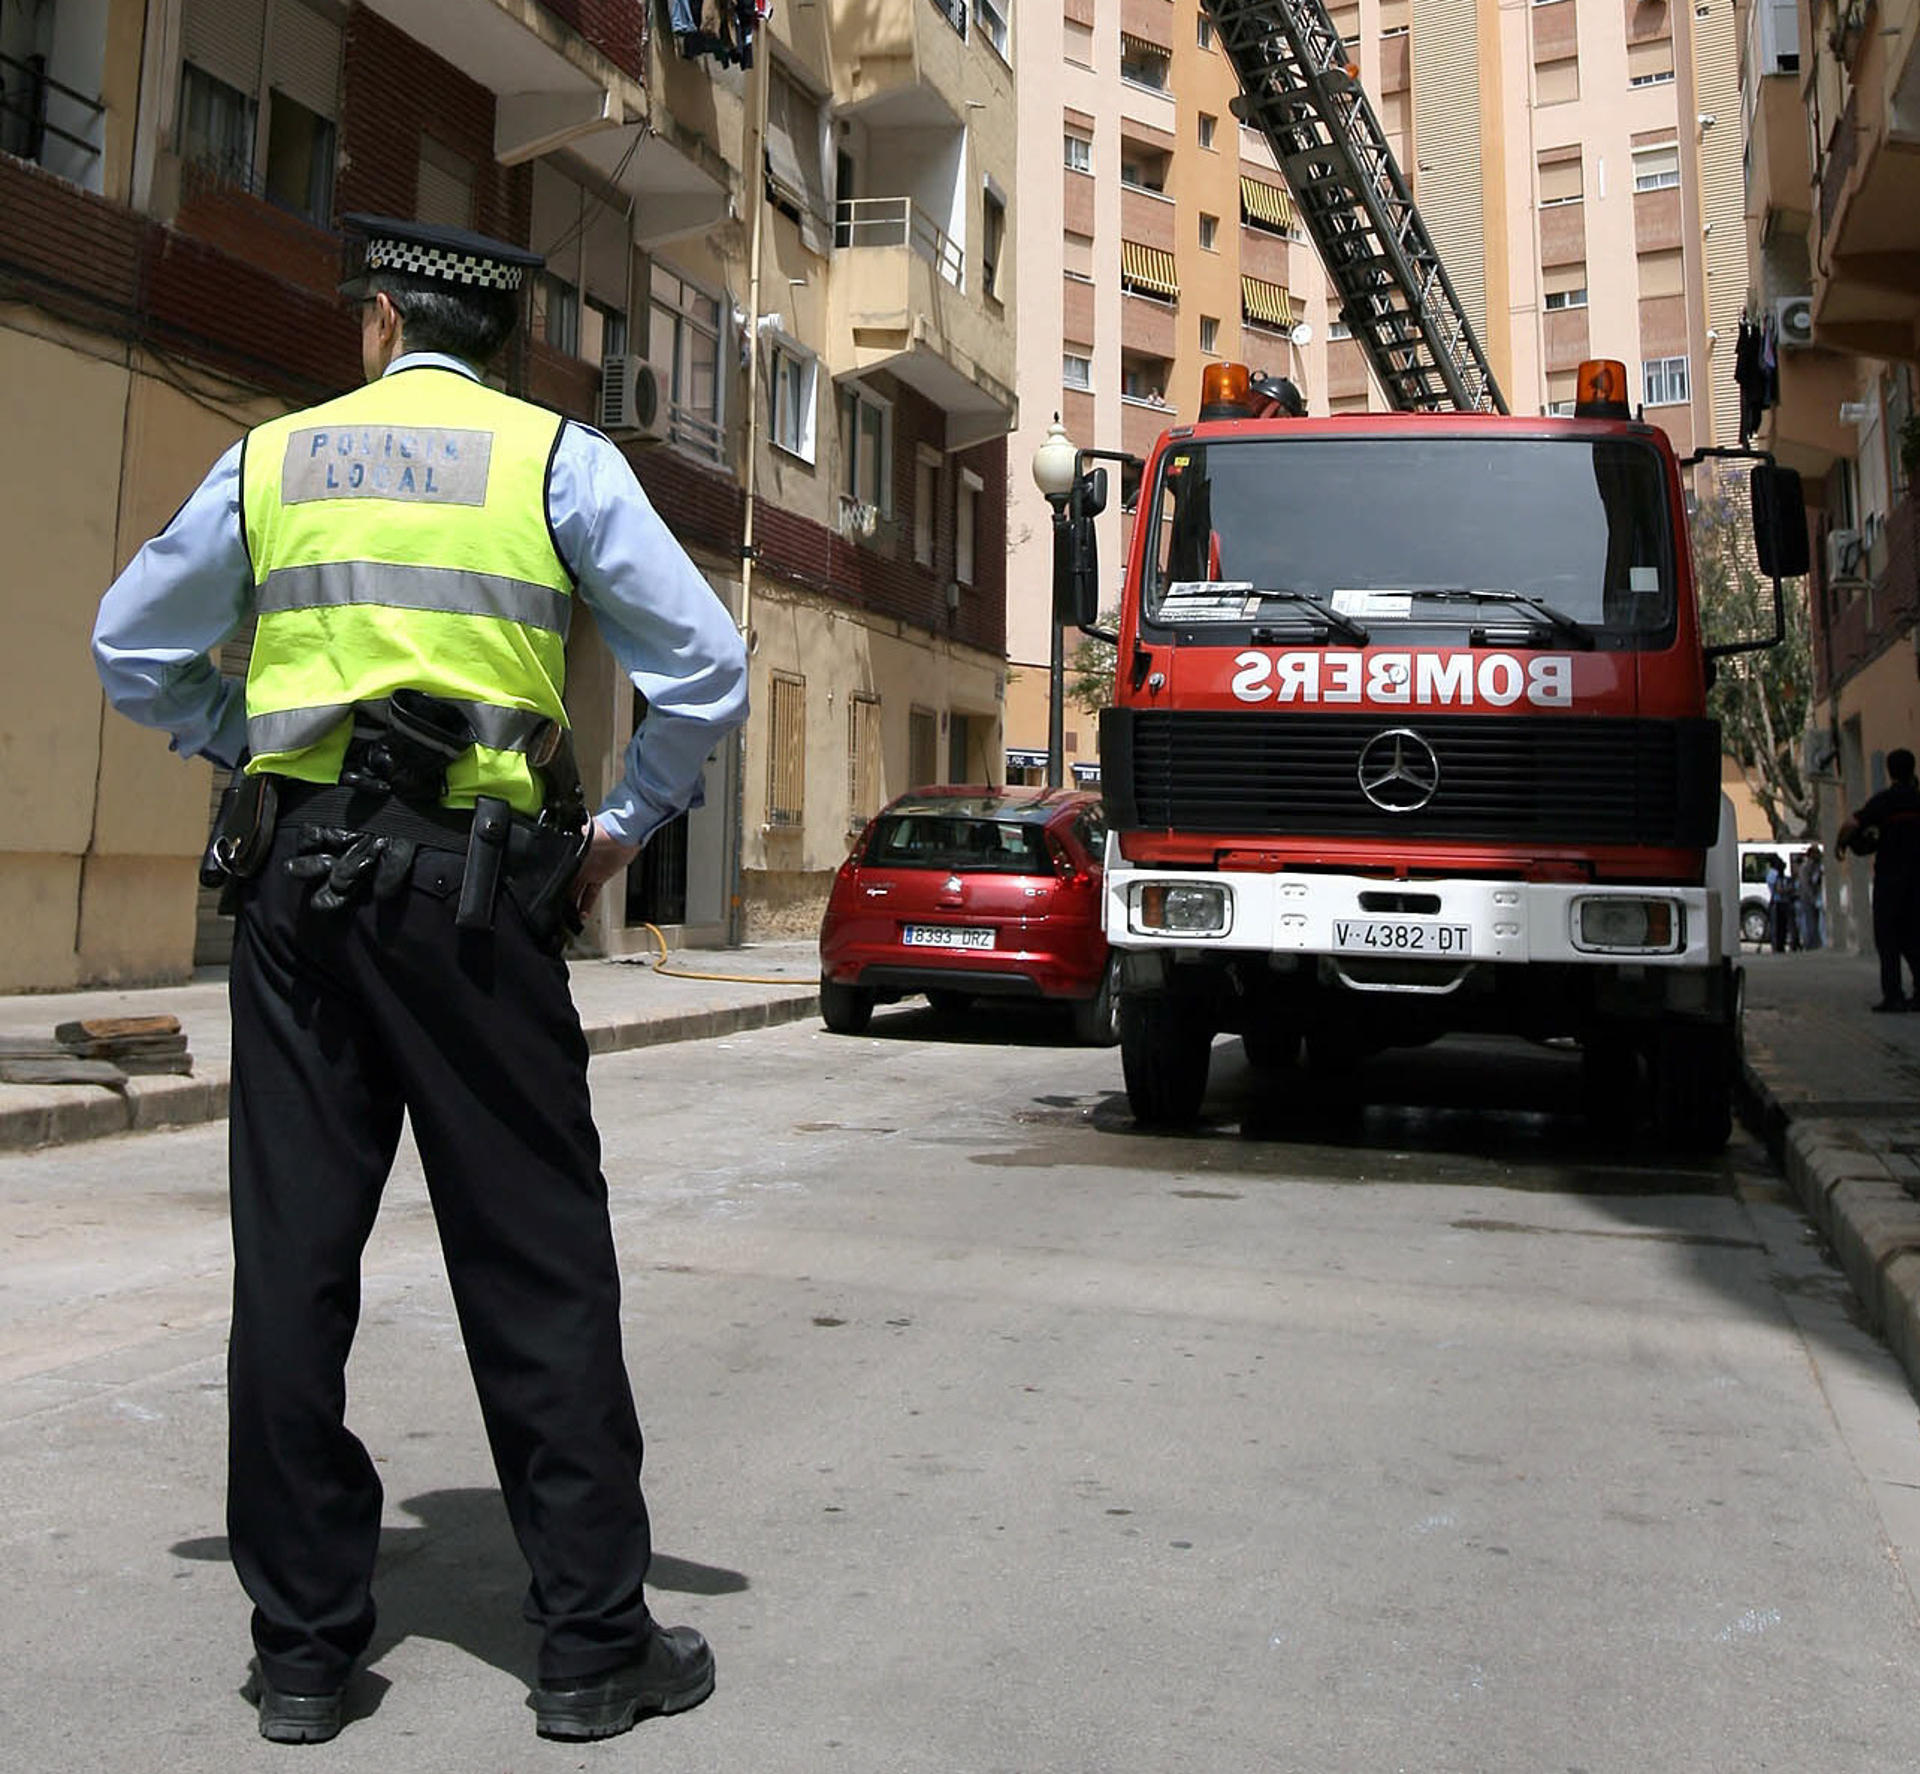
(754, 182)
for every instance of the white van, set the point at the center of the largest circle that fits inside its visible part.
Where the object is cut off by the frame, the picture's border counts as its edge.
(1754, 858)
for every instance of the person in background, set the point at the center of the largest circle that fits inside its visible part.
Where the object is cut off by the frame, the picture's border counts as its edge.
(1780, 907)
(405, 846)
(1893, 816)
(1809, 895)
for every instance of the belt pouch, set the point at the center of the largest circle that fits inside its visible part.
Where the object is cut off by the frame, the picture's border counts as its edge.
(486, 859)
(546, 861)
(242, 830)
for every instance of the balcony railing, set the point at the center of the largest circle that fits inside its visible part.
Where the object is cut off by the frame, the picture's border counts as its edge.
(30, 98)
(898, 221)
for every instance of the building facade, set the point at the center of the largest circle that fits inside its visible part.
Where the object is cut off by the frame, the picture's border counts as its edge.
(809, 366)
(1831, 109)
(1570, 162)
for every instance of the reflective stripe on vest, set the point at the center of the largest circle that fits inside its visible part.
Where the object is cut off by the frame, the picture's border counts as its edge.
(399, 538)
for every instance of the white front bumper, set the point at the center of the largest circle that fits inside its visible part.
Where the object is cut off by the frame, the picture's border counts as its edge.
(1505, 921)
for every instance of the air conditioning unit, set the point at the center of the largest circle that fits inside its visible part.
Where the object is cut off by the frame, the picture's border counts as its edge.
(1793, 321)
(630, 403)
(1843, 555)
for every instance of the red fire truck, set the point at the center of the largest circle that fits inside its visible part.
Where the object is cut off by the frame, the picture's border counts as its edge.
(1408, 736)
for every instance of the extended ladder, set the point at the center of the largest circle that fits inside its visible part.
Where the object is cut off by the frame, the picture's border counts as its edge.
(1395, 296)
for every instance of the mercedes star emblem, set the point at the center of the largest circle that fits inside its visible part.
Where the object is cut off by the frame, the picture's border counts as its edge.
(1398, 771)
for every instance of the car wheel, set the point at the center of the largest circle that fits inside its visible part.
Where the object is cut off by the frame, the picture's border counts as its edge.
(1166, 1046)
(846, 1010)
(1753, 923)
(1096, 1020)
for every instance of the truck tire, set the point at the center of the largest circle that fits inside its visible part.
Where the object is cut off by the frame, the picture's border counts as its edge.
(1096, 1020)
(1690, 1086)
(846, 1010)
(1165, 1048)
(1610, 1089)
(1271, 1047)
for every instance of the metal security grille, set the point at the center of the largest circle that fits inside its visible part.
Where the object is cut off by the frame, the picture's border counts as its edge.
(863, 760)
(1567, 779)
(787, 750)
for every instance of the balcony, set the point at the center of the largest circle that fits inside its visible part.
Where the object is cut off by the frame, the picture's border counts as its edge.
(555, 86)
(1141, 422)
(1146, 324)
(1867, 298)
(901, 304)
(891, 56)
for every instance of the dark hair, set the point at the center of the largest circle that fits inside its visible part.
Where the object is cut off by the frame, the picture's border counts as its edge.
(1900, 765)
(470, 324)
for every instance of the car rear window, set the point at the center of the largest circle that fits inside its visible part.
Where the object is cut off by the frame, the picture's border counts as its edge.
(952, 841)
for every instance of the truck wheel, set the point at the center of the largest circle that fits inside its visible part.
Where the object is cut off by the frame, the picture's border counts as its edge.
(1271, 1047)
(1165, 1048)
(846, 1010)
(1690, 1086)
(1610, 1084)
(1096, 1020)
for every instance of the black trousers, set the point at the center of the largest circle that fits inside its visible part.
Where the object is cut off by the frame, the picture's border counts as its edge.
(343, 1021)
(1896, 929)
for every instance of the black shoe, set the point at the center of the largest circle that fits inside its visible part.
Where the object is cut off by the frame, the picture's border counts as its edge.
(673, 1674)
(291, 1718)
(1892, 1006)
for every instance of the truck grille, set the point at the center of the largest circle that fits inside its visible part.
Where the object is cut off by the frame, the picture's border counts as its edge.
(1554, 780)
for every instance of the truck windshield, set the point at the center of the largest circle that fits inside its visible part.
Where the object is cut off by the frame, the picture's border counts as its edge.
(1522, 539)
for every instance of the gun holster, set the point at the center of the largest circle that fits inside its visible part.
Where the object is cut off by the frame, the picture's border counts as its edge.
(242, 831)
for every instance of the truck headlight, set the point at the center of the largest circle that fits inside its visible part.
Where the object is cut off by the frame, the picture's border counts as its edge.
(1179, 908)
(1619, 925)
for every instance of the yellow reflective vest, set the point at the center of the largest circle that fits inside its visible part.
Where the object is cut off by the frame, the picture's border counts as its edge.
(399, 539)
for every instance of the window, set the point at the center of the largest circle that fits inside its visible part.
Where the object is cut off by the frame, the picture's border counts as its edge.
(1143, 63)
(683, 344)
(796, 164)
(1566, 299)
(1665, 382)
(1656, 169)
(1338, 329)
(1203, 31)
(993, 229)
(1075, 370)
(216, 126)
(866, 448)
(556, 313)
(1556, 82)
(966, 517)
(926, 500)
(603, 331)
(1663, 274)
(1561, 182)
(992, 21)
(1650, 64)
(1208, 124)
(865, 771)
(787, 750)
(300, 159)
(1209, 233)
(444, 192)
(794, 376)
(1079, 153)
(1209, 333)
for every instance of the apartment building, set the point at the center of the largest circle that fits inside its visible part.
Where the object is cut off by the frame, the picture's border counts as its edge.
(810, 368)
(1570, 163)
(1831, 109)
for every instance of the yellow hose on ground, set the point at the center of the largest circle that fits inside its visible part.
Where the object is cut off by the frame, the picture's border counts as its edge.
(746, 979)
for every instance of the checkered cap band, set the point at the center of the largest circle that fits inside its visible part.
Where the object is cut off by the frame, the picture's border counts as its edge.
(442, 263)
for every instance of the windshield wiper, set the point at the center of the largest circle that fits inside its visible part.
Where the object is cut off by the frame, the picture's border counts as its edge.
(1338, 622)
(1557, 620)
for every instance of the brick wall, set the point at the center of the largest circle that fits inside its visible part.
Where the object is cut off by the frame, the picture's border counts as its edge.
(617, 28)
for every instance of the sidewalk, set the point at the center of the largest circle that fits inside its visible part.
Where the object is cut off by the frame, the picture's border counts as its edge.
(623, 1004)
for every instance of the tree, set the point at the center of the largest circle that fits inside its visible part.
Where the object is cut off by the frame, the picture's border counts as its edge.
(1761, 699)
(1090, 668)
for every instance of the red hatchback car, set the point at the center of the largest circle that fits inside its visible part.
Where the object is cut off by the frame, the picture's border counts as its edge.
(961, 892)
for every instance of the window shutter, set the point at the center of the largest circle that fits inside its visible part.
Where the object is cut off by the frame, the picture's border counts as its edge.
(306, 58)
(224, 38)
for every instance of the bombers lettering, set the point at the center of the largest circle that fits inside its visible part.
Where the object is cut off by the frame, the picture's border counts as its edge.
(1417, 680)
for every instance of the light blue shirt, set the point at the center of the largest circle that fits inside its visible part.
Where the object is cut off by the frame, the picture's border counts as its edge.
(191, 587)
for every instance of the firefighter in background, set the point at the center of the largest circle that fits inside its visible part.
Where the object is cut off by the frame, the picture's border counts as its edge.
(1893, 818)
(405, 851)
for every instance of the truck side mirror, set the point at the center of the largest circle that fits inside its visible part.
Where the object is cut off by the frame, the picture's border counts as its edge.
(1076, 553)
(1780, 522)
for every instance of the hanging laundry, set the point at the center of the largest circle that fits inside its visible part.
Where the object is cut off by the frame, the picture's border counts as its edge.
(1750, 378)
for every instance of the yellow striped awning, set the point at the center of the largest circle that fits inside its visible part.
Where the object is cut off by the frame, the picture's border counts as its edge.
(1268, 304)
(1148, 268)
(1145, 46)
(1266, 203)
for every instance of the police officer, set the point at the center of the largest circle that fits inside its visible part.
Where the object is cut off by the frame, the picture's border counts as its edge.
(406, 853)
(1893, 815)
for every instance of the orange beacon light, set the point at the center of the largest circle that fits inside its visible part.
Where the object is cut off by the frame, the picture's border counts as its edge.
(1601, 390)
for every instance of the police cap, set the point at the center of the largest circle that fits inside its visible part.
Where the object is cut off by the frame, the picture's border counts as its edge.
(435, 256)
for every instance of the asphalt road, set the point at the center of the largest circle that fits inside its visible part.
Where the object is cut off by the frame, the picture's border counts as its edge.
(987, 1434)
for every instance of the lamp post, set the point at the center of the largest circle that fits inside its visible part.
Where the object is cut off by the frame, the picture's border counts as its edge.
(1056, 465)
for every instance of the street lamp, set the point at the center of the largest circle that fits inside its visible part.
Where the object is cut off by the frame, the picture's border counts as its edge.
(1056, 466)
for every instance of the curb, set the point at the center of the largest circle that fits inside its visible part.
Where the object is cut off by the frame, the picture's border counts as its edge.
(1866, 1203)
(65, 1114)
